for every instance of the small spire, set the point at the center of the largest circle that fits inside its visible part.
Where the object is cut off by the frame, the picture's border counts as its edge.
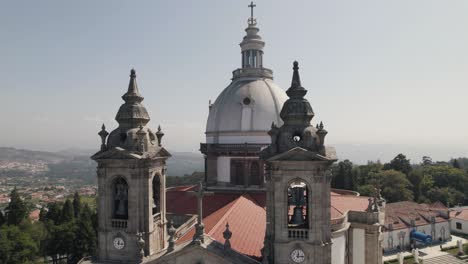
(133, 93)
(296, 90)
(296, 80)
(227, 234)
(321, 125)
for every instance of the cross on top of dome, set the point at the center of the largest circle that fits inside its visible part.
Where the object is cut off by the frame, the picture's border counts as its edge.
(252, 20)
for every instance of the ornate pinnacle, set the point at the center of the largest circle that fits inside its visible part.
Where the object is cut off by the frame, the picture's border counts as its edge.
(133, 93)
(159, 135)
(103, 134)
(227, 234)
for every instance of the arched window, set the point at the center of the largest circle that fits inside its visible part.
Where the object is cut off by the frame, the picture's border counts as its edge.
(255, 175)
(156, 194)
(298, 209)
(120, 197)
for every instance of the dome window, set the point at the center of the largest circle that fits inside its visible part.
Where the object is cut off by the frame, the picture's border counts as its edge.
(246, 101)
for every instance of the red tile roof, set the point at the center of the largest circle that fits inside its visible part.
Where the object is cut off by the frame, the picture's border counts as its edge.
(461, 214)
(401, 214)
(245, 213)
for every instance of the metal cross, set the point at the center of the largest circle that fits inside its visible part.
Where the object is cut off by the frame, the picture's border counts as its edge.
(252, 5)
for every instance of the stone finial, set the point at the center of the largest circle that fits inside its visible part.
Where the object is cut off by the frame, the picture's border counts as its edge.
(227, 234)
(159, 135)
(141, 246)
(171, 232)
(103, 134)
(321, 132)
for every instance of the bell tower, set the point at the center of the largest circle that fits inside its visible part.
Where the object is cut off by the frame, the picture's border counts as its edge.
(297, 185)
(131, 185)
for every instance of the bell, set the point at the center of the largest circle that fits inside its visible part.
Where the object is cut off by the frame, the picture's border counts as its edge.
(297, 217)
(120, 209)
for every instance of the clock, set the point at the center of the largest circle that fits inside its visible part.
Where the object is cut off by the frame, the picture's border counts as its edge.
(297, 256)
(119, 243)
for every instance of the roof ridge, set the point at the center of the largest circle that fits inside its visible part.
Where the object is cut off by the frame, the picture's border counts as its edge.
(221, 220)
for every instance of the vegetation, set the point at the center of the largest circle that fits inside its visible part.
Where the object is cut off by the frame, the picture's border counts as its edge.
(195, 178)
(399, 180)
(64, 232)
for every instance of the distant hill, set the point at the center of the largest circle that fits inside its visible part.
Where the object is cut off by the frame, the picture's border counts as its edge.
(23, 155)
(76, 163)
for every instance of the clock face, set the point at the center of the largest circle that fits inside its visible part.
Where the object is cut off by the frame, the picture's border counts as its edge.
(119, 243)
(297, 256)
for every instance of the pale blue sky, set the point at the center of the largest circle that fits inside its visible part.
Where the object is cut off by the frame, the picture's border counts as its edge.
(378, 72)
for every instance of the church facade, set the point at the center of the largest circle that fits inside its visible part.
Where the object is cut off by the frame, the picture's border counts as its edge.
(266, 197)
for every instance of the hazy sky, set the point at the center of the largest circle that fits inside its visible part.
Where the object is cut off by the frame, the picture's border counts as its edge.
(378, 72)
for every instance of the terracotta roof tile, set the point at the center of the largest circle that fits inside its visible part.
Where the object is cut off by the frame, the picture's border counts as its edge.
(462, 215)
(245, 214)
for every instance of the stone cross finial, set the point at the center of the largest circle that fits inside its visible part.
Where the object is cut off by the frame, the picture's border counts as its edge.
(199, 236)
(103, 134)
(171, 231)
(227, 234)
(252, 19)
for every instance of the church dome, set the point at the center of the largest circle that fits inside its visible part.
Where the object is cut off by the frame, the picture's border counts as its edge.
(245, 110)
(246, 107)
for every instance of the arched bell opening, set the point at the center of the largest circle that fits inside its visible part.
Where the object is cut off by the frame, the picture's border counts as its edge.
(298, 205)
(120, 198)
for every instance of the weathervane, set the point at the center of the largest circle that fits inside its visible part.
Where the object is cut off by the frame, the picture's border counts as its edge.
(252, 19)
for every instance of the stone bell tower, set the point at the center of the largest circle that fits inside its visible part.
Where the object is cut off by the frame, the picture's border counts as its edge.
(131, 185)
(297, 185)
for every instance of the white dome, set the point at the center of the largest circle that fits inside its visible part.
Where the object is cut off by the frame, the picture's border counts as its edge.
(244, 111)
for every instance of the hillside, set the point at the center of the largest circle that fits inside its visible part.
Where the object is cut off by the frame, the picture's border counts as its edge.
(77, 164)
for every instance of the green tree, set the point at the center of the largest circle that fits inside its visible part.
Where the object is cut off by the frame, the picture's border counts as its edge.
(364, 174)
(447, 176)
(2, 218)
(426, 161)
(366, 190)
(77, 205)
(85, 235)
(447, 196)
(67, 214)
(399, 163)
(17, 210)
(54, 213)
(395, 186)
(343, 175)
(16, 247)
(415, 177)
(455, 164)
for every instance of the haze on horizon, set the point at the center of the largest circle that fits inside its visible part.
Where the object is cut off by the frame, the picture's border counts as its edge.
(380, 74)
